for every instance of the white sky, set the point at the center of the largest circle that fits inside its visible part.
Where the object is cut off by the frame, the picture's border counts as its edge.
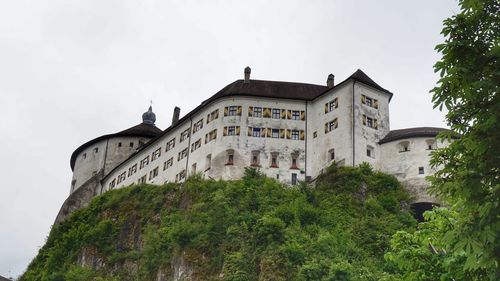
(71, 71)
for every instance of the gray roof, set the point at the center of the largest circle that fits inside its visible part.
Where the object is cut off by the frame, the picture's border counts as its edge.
(411, 133)
(4, 279)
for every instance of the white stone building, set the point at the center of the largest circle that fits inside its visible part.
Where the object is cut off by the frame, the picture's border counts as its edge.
(289, 131)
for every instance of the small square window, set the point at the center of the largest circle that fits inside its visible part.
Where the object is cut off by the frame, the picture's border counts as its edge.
(119, 144)
(131, 144)
(315, 134)
(420, 170)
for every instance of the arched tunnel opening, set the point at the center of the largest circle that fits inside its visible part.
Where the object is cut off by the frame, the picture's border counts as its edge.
(420, 207)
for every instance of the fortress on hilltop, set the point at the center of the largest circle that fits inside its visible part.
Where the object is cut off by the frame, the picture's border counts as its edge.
(289, 131)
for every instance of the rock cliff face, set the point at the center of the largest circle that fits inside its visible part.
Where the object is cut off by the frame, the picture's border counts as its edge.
(250, 229)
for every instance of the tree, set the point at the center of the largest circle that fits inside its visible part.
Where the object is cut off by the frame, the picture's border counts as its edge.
(470, 166)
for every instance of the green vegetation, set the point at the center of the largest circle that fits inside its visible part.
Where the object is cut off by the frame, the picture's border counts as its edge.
(249, 229)
(469, 180)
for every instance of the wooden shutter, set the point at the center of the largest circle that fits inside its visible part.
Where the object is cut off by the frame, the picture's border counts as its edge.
(282, 133)
(263, 132)
(224, 132)
(269, 132)
(283, 114)
(240, 109)
(302, 115)
(336, 102)
(206, 138)
(249, 131)
(208, 118)
(364, 119)
(288, 134)
(226, 111)
(266, 112)
(375, 104)
(326, 107)
(302, 135)
(237, 130)
(336, 123)
(326, 127)
(250, 111)
(289, 114)
(363, 99)
(216, 114)
(375, 124)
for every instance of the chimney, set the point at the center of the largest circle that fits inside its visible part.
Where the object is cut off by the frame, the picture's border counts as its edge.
(175, 117)
(247, 74)
(330, 80)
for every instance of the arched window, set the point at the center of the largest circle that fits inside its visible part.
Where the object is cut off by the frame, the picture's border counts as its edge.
(431, 144)
(404, 146)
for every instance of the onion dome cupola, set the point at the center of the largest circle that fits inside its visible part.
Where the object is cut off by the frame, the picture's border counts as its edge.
(149, 117)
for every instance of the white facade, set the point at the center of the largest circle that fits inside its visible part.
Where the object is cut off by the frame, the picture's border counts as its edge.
(284, 136)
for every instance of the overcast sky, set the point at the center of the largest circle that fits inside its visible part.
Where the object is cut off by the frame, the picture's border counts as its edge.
(71, 71)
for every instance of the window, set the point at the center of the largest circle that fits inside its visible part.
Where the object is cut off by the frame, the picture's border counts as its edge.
(196, 145)
(193, 168)
(275, 133)
(182, 154)
(370, 151)
(212, 116)
(420, 170)
(119, 144)
(184, 135)
(232, 110)
(256, 132)
(180, 176)
(208, 162)
(96, 149)
(131, 144)
(369, 101)
(121, 177)
(294, 179)
(330, 106)
(274, 159)
(144, 162)
(198, 126)
(331, 153)
(295, 135)
(231, 131)
(276, 113)
(255, 162)
(112, 183)
(170, 144)
(167, 164)
(330, 126)
(142, 179)
(295, 115)
(404, 146)
(156, 154)
(370, 122)
(212, 135)
(132, 170)
(431, 144)
(257, 112)
(294, 161)
(230, 157)
(84, 156)
(153, 173)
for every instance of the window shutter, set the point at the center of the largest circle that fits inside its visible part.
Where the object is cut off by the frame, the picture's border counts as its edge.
(283, 114)
(336, 123)
(263, 132)
(375, 124)
(288, 114)
(226, 111)
(237, 130)
(364, 119)
(282, 133)
(375, 104)
(326, 107)
(216, 114)
(267, 112)
(302, 115)
(302, 135)
(206, 138)
(240, 109)
(363, 99)
(288, 133)
(336, 102)
(224, 133)
(249, 132)
(269, 132)
(326, 127)
(250, 111)
(208, 118)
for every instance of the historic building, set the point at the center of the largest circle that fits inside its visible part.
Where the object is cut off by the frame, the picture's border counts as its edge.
(289, 131)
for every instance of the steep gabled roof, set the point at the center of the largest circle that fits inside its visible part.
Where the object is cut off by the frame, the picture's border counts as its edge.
(360, 76)
(412, 133)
